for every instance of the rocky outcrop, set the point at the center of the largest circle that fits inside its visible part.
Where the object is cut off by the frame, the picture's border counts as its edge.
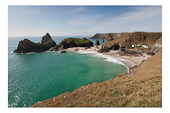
(105, 48)
(62, 51)
(127, 52)
(106, 36)
(47, 41)
(156, 48)
(97, 42)
(72, 42)
(26, 46)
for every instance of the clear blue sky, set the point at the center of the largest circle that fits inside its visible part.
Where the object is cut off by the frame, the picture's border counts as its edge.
(82, 20)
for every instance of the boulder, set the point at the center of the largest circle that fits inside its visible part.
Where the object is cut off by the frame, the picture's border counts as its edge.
(62, 51)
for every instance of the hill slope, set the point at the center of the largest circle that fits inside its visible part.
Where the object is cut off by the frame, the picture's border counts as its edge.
(142, 87)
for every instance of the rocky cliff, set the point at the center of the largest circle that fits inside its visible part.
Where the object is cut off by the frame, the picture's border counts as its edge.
(156, 48)
(126, 40)
(26, 45)
(47, 41)
(106, 36)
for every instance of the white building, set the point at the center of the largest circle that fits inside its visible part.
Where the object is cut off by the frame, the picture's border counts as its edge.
(144, 46)
(133, 45)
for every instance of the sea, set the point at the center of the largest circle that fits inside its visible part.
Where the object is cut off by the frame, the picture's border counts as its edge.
(36, 77)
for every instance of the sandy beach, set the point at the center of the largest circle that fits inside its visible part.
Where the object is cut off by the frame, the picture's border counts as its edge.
(129, 61)
(136, 60)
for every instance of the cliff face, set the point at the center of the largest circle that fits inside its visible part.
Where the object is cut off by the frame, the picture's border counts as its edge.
(47, 41)
(157, 47)
(26, 45)
(106, 36)
(126, 40)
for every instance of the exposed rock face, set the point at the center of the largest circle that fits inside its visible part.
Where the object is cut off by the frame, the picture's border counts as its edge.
(106, 36)
(97, 42)
(104, 48)
(126, 40)
(72, 42)
(127, 52)
(47, 41)
(116, 46)
(156, 48)
(26, 45)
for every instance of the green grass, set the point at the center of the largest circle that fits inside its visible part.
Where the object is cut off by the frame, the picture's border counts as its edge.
(77, 40)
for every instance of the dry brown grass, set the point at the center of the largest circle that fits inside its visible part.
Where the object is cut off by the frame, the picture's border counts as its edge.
(128, 39)
(140, 88)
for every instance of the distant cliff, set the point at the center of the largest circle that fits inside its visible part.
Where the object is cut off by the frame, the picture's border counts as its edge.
(106, 36)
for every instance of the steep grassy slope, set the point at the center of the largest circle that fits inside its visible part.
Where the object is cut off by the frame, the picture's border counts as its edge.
(142, 87)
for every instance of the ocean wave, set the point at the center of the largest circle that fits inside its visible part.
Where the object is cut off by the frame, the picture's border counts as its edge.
(109, 58)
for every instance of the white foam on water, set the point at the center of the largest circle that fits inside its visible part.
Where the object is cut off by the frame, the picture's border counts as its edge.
(109, 58)
(11, 52)
(31, 53)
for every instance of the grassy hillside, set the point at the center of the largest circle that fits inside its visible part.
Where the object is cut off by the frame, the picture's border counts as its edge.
(142, 87)
(129, 39)
(77, 40)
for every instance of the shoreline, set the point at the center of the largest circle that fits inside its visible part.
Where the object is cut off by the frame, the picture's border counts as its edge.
(128, 61)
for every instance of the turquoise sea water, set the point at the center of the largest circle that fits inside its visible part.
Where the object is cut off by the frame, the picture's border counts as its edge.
(39, 76)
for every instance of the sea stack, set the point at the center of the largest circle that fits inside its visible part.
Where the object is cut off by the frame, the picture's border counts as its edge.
(26, 46)
(97, 42)
(47, 41)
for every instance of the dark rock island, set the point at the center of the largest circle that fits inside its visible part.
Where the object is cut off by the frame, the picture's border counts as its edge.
(26, 46)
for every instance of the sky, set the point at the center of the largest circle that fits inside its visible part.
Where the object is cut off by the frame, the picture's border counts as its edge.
(82, 20)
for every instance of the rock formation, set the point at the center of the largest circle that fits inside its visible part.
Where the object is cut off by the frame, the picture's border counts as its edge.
(104, 48)
(47, 41)
(156, 48)
(26, 45)
(72, 42)
(128, 39)
(62, 51)
(106, 36)
(97, 42)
